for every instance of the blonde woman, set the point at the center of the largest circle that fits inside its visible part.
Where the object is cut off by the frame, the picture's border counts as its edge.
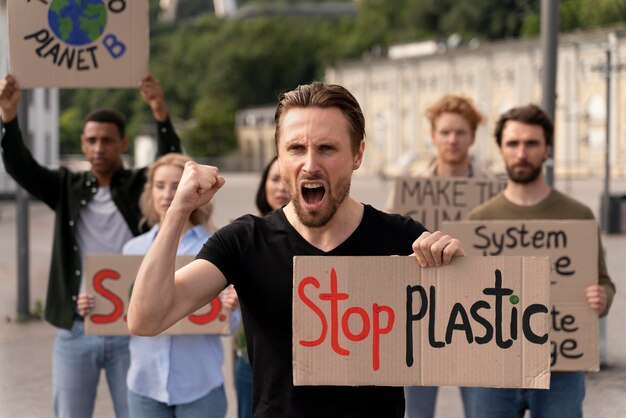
(176, 376)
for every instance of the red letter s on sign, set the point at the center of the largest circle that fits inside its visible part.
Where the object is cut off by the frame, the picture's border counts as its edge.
(308, 302)
(117, 302)
(216, 307)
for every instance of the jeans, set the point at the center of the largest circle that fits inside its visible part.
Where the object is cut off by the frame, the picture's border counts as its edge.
(420, 401)
(243, 386)
(563, 399)
(76, 363)
(213, 405)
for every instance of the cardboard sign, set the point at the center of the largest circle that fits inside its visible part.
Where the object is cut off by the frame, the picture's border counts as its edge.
(386, 321)
(110, 279)
(78, 43)
(432, 200)
(573, 249)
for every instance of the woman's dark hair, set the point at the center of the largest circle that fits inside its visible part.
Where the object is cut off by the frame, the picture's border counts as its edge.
(261, 195)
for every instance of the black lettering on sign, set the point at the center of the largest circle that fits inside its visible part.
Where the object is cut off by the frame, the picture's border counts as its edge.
(488, 189)
(432, 217)
(81, 59)
(567, 348)
(117, 6)
(518, 237)
(419, 302)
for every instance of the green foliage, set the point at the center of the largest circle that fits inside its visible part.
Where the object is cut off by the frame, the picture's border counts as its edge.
(71, 127)
(210, 68)
(213, 133)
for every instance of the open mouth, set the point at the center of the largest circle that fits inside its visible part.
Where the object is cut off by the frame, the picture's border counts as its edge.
(313, 193)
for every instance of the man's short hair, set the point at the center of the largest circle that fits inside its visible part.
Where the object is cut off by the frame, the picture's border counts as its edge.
(107, 115)
(318, 94)
(455, 104)
(531, 115)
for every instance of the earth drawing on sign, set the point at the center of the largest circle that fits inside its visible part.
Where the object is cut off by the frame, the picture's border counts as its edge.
(77, 22)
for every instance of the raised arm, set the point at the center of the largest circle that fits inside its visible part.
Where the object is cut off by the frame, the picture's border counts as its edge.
(152, 94)
(161, 296)
(19, 163)
(10, 95)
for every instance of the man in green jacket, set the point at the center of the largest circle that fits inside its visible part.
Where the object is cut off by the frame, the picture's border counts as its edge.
(525, 135)
(97, 211)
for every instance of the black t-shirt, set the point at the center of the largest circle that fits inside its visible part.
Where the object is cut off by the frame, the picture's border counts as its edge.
(256, 255)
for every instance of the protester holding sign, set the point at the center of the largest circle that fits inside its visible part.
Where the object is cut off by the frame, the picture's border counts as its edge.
(320, 142)
(453, 123)
(97, 211)
(176, 375)
(524, 135)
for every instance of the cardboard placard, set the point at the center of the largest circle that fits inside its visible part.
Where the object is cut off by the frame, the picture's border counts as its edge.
(78, 43)
(432, 200)
(573, 248)
(110, 279)
(480, 321)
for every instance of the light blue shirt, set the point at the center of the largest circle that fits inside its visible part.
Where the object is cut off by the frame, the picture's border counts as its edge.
(175, 369)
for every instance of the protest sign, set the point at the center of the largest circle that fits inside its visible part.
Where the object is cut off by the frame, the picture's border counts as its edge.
(110, 279)
(572, 246)
(432, 200)
(386, 321)
(78, 43)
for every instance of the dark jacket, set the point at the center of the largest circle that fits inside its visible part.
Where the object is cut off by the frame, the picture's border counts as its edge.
(65, 192)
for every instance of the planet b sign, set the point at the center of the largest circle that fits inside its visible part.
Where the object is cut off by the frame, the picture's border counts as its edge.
(78, 43)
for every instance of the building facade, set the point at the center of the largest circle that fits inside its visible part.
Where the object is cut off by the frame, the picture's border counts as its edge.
(255, 135)
(394, 94)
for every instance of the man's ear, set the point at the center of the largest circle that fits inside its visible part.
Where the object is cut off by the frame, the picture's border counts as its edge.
(547, 153)
(124, 144)
(358, 157)
(83, 143)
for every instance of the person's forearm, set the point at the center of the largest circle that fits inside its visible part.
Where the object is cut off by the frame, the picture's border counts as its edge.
(159, 112)
(154, 289)
(7, 115)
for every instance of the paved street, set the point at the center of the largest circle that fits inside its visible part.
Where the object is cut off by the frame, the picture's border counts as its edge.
(25, 349)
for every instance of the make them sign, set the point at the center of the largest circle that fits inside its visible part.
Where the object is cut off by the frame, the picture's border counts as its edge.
(573, 249)
(386, 321)
(110, 279)
(432, 200)
(78, 43)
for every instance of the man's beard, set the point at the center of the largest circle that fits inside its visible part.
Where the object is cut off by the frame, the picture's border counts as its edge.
(319, 219)
(525, 177)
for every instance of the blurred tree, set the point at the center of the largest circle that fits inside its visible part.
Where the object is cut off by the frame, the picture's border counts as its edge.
(209, 68)
(71, 126)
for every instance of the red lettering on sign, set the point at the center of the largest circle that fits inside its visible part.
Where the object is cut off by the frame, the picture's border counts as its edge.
(334, 297)
(118, 304)
(305, 282)
(371, 322)
(216, 307)
(377, 309)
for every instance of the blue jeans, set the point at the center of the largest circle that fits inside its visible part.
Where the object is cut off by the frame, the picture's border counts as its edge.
(76, 363)
(213, 405)
(420, 401)
(563, 399)
(243, 386)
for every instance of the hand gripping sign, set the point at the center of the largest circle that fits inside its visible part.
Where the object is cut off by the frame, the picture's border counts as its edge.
(386, 321)
(110, 279)
(78, 43)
